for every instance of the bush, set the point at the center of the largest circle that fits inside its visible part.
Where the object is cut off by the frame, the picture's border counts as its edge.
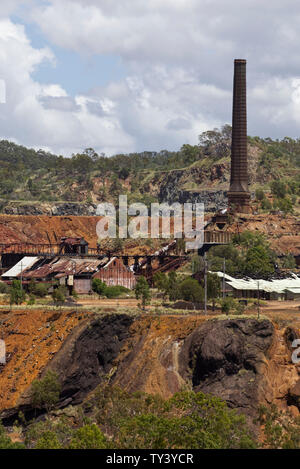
(190, 290)
(45, 392)
(4, 288)
(188, 420)
(278, 189)
(227, 305)
(142, 291)
(58, 295)
(288, 262)
(31, 300)
(41, 289)
(259, 194)
(17, 294)
(98, 286)
(112, 292)
(48, 440)
(5, 441)
(88, 437)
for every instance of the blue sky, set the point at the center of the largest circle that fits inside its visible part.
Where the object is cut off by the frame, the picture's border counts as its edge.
(77, 73)
(128, 75)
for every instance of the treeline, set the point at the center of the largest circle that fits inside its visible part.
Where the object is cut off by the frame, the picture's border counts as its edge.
(112, 418)
(27, 174)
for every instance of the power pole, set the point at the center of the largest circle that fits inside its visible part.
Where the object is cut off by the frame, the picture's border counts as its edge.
(223, 283)
(21, 275)
(258, 305)
(205, 284)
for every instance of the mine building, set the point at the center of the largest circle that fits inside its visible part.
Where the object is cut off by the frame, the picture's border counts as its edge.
(74, 245)
(279, 289)
(75, 273)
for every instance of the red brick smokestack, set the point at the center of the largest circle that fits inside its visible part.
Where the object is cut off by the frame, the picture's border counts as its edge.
(238, 195)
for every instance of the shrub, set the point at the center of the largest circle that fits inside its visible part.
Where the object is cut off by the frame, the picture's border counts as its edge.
(17, 294)
(5, 441)
(4, 288)
(48, 440)
(88, 437)
(112, 292)
(31, 300)
(45, 392)
(98, 286)
(259, 194)
(142, 291)
(58, 295)
(190, 290)
(41, 289)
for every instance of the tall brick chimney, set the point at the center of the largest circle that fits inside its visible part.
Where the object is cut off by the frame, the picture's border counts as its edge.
(238, 195)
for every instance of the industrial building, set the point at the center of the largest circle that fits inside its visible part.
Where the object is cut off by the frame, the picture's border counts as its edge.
(282, 289)
(75, 273)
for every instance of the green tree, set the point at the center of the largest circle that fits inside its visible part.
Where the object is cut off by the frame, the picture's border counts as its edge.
(88, 437)
(191, 290)
(285, 205)
(227, 305)
(59, 295)
(45, 391)
(173, 287)
(38, 289)
(189, 421)
(4, 287)
(17, 294)
(142, 291)
(213, 287)
(48, 440)
(161, 282)
(288, 262)
(98, 286)
(258, 262)
(278, 189)
(259, 194)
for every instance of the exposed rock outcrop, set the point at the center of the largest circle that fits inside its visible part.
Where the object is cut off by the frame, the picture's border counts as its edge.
(87, 357)
(227, 358)
(58, 209)
(245, 361)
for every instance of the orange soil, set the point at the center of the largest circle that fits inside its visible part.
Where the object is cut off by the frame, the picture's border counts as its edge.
(153, 349)
(31, 338)
(282, 231)
(29, 228)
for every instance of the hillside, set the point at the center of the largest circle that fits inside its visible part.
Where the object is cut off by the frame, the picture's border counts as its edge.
(250, 364)
(35, 182)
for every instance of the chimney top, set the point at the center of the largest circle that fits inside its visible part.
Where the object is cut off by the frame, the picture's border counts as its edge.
(240, 61)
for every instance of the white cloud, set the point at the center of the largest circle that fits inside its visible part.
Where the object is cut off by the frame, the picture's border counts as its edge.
(44, 116)
(179, 58)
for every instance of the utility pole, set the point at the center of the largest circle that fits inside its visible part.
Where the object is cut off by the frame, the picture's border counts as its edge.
(258, 305)
(205, 284)
(21, 275)
(223, 283)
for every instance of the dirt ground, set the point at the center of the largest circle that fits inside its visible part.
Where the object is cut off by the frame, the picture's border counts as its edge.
(107, 302)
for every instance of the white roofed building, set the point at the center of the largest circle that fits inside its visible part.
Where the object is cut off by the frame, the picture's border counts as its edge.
(277, 289)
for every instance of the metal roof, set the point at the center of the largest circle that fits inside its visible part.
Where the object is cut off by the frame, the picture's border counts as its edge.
(66, 266)
(278, 286)
(22, 265)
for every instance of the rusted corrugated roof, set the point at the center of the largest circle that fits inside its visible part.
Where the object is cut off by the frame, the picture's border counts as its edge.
(66, 266)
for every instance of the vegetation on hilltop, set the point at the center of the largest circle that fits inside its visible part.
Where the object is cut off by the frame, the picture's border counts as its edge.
(114, 418)
(30, 175)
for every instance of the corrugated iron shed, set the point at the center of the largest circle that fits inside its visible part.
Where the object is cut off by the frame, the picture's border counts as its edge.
(22, 265)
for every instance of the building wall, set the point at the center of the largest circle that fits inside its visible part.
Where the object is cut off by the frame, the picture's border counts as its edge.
(116, 273)
(82, 285)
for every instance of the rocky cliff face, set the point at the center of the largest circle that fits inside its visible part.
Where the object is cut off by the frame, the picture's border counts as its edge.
(245, 361)
(228, 358)
(59, 209)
